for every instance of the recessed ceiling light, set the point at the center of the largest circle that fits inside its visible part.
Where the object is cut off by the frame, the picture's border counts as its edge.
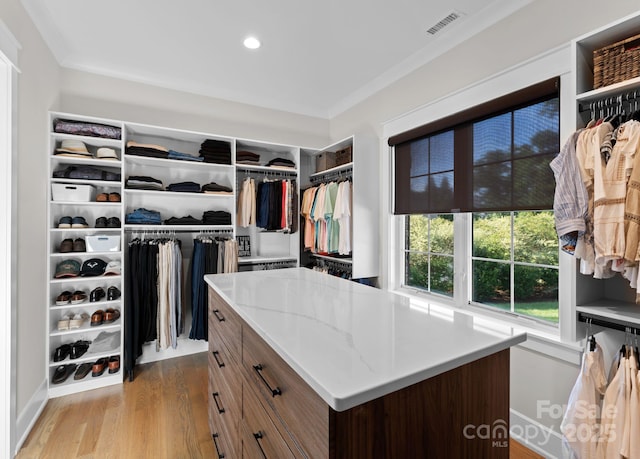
(252, 43)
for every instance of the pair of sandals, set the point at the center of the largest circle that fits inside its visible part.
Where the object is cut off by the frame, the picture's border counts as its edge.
(71, 321)
(108, 197)
(107, 316)
(74, 350)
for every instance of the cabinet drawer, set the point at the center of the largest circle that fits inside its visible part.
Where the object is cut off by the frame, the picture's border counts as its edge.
(224, 421)
(260, 437)
(227, 382)
(226, 323)
(283, 391)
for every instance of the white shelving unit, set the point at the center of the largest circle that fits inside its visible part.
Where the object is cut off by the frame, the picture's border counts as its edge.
(364, 172)
(90, 210)
(610, 300)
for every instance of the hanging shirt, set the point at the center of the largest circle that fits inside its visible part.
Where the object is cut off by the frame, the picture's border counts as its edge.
(613, 414)
(580, 423)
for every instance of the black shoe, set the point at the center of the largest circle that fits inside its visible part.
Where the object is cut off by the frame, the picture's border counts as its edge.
(82, 371)
(97, 294)
(63, 372)
(113, 222)
(78, 349)
(113, 293)
(101, 222)
(62, 353)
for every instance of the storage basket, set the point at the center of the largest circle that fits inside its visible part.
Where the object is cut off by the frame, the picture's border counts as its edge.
(103, 243)
(343, 156)
(325, 160)
(72, 193)
(617, 62)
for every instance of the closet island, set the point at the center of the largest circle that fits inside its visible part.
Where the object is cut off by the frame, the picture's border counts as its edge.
(304, 364)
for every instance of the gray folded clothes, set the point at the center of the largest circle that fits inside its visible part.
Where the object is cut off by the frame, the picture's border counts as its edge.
(141, 182)
(105, 342)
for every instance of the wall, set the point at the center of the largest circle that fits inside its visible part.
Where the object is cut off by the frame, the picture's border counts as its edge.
(95, 95)
(38, 85)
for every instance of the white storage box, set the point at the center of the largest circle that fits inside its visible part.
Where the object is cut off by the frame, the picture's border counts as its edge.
(72, 192)
(103, 243)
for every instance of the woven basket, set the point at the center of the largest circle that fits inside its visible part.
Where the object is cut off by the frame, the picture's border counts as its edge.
(343, 156)
(617, 62)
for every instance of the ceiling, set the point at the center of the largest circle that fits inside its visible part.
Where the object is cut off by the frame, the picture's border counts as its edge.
(318, 57)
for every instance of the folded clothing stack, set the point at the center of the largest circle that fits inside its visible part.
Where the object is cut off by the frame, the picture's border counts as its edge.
(88, 129)
(146, 149)
(214, 188)
(247, 157)
(87, 173)
(185, 187)
(216, 217)
(281, 162)
(216, 151)
(183, 156)
(143, 182)
(188, 220)
(142, 216)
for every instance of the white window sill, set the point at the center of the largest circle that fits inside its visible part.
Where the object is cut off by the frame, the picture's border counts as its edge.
(540, 338)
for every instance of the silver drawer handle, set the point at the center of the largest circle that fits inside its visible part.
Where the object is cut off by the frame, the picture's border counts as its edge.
(275, 391)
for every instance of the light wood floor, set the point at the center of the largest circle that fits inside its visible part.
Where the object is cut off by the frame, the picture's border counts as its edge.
(161, 414)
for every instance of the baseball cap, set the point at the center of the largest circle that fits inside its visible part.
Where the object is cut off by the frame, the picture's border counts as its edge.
(93, 267)
(67, 268)
(113, 268)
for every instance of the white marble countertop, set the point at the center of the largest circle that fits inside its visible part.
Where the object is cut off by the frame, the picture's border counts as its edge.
(352, 343)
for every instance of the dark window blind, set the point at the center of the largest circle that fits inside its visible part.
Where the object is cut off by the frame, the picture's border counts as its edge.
(495, 157)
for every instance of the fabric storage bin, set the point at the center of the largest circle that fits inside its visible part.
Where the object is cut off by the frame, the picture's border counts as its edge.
(103, 243)
(72, 192)
(325, 160)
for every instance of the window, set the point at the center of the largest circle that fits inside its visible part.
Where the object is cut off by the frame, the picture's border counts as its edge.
(429, 253)
(485, 181)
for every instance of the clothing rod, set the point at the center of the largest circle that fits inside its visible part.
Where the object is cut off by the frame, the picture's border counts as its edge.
(345, 173)
(610, 101)
(612, 323)
(172, 231)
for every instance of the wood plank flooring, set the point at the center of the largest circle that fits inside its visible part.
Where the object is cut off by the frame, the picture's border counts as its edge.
(161, 414)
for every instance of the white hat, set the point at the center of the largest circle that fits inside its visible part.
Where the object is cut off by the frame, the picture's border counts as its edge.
(106, 153)
(71, 147)
(113, 268)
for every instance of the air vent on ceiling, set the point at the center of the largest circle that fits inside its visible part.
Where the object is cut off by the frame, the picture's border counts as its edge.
(444, 22)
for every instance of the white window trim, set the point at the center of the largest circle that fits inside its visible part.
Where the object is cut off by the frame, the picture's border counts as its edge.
(558, 341)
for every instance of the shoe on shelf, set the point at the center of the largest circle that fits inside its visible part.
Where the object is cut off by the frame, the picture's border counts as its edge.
(78, 297)
(63, 323)
(114, 197)
(97, 318)
(114, 364)
(110, 315)
(113, 293)
(63, 298)
(79, 222)
(102, 197)
(79, 245)
(63, 372)
(79, 348)
(62, 352)
(66, 246)
(65, 222)
(83, 370)
(99, 367)
(113, 222)
(78, 320)
(101, 222)
(97, 294)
